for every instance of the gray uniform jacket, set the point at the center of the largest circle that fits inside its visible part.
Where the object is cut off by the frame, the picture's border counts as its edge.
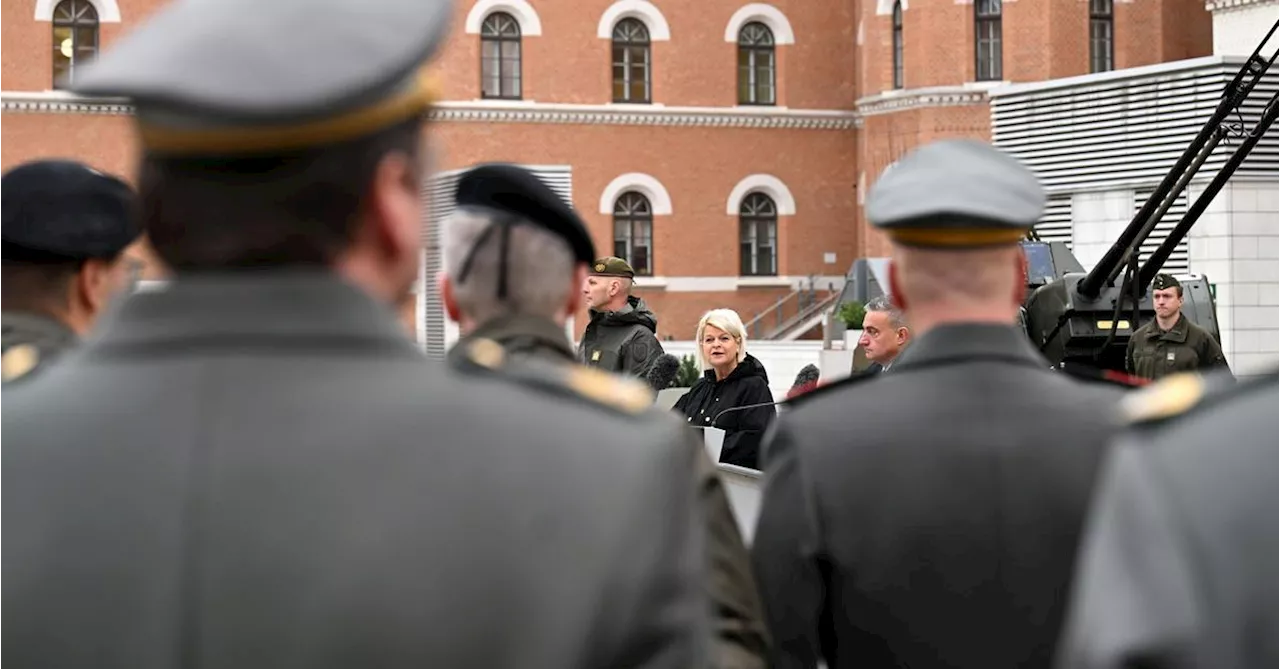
(740, 640)
(622, 341)
(929, 518)
(263, 471)
(1178, 567)
(36, 341)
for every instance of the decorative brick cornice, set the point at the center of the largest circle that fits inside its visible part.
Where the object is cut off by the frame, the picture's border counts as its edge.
(1219, 5)
(55, 102)
(948, 96)
(515, 112)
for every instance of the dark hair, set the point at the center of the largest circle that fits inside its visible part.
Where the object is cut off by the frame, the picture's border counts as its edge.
(298, 208)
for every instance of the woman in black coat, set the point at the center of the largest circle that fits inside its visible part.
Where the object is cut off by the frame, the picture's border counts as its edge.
(733, 378)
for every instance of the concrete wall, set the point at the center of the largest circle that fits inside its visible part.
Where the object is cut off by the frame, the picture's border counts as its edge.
(1238, 28)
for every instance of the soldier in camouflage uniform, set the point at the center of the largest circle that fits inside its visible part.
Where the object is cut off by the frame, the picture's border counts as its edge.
(66, 228)
(1170, 342)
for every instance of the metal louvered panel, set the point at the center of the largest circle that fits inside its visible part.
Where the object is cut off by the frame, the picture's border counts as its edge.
(1177, 262)
(1055, 224)
(439, 190)
(1128, 126)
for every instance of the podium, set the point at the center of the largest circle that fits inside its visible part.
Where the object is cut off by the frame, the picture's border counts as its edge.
(741, 485)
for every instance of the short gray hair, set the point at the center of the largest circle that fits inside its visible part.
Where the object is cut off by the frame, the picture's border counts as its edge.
(540, 267)
(883, 304)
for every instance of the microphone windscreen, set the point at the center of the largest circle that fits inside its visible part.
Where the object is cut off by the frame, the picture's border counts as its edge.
(663, 372)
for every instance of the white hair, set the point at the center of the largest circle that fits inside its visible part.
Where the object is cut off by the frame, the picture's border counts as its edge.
(540, 267)
(728, 321)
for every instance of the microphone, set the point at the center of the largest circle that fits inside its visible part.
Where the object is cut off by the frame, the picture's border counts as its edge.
(662, 374)
(745, 407)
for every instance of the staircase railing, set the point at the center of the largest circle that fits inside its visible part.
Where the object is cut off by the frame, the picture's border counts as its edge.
(781, 313)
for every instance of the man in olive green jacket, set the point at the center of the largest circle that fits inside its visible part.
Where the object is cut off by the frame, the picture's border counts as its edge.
(513, 299)
(1170, 342)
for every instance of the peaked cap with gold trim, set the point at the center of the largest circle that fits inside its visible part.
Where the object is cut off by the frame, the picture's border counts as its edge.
(242, 77)
(958, 193)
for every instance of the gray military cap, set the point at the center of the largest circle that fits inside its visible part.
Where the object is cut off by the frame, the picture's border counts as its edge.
(956, 194)
(235, 77)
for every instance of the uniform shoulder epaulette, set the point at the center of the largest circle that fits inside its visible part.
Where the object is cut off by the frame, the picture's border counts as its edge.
(829, 387)
(599, 388)
(1187, 393)
(18, 361)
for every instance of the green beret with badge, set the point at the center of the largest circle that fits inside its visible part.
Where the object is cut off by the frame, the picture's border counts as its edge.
(612, 266)
(1163, 281)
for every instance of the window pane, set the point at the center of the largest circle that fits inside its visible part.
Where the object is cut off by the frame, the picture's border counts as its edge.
(620, 250)
(640, 259)
(745, 257)
(511, 50)
(87, 37)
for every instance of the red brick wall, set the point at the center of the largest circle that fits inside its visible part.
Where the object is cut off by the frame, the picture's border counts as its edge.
(1043, 39)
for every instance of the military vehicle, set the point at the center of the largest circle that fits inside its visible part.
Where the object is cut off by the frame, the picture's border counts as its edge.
(1084, 319)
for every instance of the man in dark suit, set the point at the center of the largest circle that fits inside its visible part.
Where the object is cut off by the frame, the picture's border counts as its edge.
(254, 467)
(930, 519)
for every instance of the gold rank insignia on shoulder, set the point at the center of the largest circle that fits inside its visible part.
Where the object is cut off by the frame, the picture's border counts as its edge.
(19, 361)
(486, 353)
(610, 390)
(1168, 397)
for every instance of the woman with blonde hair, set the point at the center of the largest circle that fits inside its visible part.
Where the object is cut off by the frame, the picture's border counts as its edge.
(732, 378)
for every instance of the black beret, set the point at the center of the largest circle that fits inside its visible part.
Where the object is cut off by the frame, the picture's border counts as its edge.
(63, 210)
(515, 190)
(958, 193)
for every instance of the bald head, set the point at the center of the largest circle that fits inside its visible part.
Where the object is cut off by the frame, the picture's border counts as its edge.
(958, 285)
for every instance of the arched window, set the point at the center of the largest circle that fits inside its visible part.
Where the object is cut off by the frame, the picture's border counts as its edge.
(1101, 36)
(758, 228)
(633, 231)
(75, 38)
(897, 44)
(757, 67)
(990, 49)
(631, 62)
(500, 57)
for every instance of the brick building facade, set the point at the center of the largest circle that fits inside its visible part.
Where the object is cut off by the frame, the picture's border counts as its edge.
(725, 145)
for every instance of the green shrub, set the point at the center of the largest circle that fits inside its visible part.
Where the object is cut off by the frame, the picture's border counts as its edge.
(851, 313)
(688, 373)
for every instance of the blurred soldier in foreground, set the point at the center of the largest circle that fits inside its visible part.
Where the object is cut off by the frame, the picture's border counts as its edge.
(518, 293)
(930, 519)
(66, 230)
(254, 467)
(1178, 566)
(1170, 342)
(621, 336)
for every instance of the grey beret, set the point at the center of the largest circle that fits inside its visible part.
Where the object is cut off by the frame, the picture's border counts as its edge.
(956, 193)
(215, 77)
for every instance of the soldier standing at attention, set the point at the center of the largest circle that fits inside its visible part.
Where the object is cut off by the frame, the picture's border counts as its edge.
(621, 336)
(517, 294)
(255, 467)
(1170, 342)
(66, 229)
(930, 519)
